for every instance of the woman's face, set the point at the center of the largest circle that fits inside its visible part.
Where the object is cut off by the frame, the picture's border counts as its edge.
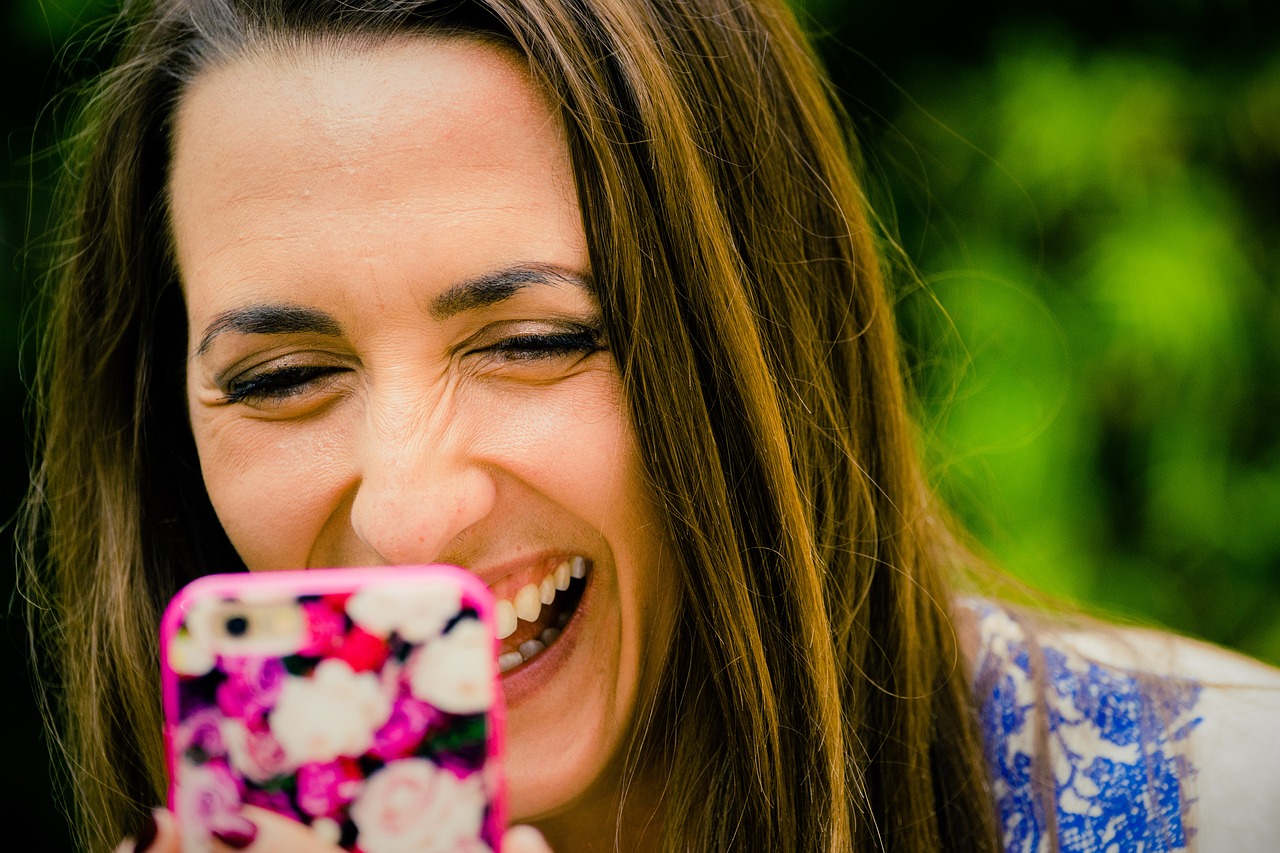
(396, 357)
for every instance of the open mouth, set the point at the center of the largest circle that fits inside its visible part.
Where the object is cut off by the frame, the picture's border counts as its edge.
(531, 621)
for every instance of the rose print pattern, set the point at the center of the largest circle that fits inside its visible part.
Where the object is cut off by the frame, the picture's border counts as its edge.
(413, 806)
(450, 674)
(373, 731)
(330, 712)
(416, 615)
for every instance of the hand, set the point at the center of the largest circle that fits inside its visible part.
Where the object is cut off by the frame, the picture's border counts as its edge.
(278, 834)
(524, 839)
(274, 833)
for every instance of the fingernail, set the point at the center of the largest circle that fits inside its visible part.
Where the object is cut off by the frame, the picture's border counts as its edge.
(237, 839)
(146, 834)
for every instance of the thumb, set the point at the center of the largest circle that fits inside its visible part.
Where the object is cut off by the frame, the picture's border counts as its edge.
(524, 839)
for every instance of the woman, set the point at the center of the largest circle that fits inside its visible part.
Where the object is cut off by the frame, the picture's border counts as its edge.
(510, 283)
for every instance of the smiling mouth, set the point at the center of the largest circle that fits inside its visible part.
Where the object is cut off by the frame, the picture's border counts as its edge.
(531, 621)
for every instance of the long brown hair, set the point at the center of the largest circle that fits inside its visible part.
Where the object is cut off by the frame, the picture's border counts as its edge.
(814, 696)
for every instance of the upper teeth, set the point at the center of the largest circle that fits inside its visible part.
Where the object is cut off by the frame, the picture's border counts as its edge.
(530, 598)
(528, 605)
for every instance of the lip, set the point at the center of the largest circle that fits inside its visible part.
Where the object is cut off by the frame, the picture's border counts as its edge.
(528, 678)
(505, 579)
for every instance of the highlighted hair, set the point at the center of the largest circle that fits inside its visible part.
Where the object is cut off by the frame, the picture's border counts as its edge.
(813, 696)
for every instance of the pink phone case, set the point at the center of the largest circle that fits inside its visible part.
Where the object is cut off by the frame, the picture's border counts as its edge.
(363, 703)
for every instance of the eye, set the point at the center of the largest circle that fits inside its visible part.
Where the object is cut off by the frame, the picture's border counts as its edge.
(273, 385)
(579, 340)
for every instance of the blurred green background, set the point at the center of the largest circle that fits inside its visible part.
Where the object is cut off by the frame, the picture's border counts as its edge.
(1088, 195)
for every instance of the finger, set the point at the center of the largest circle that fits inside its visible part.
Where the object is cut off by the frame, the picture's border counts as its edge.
(524, 839)
(274, 833)
(157, 834)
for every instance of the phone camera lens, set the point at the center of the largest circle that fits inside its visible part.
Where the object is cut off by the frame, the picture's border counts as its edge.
(237, 626)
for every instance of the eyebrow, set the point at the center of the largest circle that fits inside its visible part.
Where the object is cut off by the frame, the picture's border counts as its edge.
(486, 289)
(494, 287)
(270, 320)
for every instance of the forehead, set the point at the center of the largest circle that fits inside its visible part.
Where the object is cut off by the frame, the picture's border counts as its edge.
(315, 93)
(292, 150)
(322, 104)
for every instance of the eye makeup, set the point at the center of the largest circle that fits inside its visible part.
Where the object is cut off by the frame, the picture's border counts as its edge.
(580, 339)
(275, 383)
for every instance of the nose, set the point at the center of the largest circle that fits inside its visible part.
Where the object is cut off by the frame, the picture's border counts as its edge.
(420, 489)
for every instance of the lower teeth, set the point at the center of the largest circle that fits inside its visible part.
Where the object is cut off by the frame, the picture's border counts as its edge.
(531, 648)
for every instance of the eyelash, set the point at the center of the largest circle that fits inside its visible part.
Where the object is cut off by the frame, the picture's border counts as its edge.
(580, 341)
(278, 384)
(284, 382)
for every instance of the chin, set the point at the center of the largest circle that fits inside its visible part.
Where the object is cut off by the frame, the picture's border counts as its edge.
(571, 696)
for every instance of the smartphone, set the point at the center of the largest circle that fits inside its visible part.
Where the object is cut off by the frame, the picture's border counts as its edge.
(363, 703)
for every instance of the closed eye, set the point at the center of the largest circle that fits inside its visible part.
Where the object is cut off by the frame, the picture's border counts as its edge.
(277, 384)
(547, 345)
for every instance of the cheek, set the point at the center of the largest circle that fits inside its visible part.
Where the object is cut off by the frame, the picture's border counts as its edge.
(272, 489)
(575, 449)
(584, 455)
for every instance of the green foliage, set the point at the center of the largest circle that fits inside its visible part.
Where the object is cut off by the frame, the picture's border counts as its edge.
(1096, 323)
(52, 22)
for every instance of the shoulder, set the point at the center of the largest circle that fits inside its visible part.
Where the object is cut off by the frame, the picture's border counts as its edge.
(1098, 733)
(1234, 750)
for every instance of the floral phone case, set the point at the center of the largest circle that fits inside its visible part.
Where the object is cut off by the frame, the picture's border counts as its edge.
(363, 703)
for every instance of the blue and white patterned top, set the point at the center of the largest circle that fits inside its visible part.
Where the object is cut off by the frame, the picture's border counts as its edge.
(1110, 750)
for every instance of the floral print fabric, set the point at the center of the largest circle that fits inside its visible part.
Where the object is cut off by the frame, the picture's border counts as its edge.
(371, 728)
(1114, 755)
